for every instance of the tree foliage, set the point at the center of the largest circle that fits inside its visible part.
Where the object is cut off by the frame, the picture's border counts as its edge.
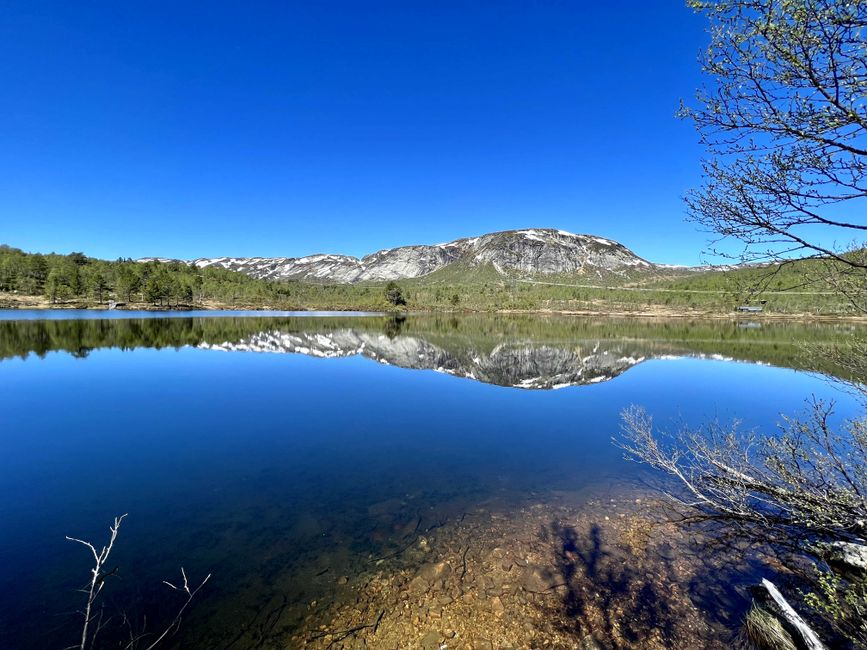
(394, 294)
(785, 126)
(784, 122)
(75, 277)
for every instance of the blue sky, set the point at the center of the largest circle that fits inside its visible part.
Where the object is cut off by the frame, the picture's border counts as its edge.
(287, 128)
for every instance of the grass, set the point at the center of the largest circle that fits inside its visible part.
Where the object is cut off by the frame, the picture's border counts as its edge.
(789, 289)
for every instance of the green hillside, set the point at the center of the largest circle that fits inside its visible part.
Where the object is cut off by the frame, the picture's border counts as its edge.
(76, 280)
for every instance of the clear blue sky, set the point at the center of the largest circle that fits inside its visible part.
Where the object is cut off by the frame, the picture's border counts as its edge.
(286, 128)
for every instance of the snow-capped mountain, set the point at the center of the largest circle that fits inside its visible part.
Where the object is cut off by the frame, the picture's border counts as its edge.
(537, 251)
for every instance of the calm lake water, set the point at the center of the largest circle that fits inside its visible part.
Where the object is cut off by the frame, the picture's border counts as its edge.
(288, 455)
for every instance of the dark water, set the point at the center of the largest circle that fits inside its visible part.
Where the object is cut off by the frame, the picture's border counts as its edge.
(266, 450)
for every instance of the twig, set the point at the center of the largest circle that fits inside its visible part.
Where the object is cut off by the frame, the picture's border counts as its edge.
(177, 619)
(97, 579)
(413, 541)
(340, 636)
(464, 560)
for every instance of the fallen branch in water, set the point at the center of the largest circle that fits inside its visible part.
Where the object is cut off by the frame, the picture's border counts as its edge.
(793, 620)
(340, 636)
(176, 621)
(464, 562)
(97, 582)
(415, 538)
(798, 493)
(97, 576)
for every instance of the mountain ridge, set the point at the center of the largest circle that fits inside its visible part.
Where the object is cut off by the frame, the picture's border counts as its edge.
(530, 251)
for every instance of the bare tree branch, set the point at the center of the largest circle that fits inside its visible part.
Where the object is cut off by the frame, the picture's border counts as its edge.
(95, 587)
(97, 575)
(785, 127)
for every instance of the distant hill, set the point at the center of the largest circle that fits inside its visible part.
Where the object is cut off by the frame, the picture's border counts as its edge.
(533, 270)
(535, 251)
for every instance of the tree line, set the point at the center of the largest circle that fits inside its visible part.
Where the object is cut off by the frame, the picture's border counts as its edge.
(86, 281)
(76, 277)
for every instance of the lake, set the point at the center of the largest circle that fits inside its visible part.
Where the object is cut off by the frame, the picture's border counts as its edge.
(371, 481)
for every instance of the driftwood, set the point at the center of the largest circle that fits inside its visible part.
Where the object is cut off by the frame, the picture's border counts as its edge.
(790, 617)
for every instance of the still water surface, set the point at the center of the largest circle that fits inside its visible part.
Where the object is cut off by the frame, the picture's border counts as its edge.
(280, 452)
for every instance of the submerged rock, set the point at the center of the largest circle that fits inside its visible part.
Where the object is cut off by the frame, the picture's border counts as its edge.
(418, 586)
(431, 641)
(538, 580)
(849, 556)
(432, 572)
(590, 643)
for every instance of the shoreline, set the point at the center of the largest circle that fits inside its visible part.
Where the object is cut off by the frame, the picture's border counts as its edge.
(13, 302)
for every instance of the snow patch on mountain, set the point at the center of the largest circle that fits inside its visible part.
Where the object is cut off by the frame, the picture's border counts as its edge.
(532, 251)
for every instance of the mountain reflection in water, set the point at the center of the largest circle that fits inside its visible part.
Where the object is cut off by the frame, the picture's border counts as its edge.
(518, 364)
(515, 351)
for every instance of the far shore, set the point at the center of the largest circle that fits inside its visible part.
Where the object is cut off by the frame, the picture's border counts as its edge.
(17, 301)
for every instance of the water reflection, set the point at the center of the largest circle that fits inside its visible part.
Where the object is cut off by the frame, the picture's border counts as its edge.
(322, 485)
(520, 352)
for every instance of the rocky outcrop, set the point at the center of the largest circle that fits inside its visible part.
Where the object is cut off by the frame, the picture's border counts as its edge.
(539, 251)
(848, 558)
(546, 251)
(407, 262)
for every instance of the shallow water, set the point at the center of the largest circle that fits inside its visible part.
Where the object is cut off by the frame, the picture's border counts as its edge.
(280, 453)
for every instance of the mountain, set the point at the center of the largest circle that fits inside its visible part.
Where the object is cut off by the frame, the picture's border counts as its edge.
(537, 251)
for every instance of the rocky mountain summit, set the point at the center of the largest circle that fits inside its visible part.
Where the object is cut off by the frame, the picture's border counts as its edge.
(537, 251)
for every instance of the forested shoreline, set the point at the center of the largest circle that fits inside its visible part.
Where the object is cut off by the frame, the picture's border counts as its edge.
(34, 280)
(76, 277)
